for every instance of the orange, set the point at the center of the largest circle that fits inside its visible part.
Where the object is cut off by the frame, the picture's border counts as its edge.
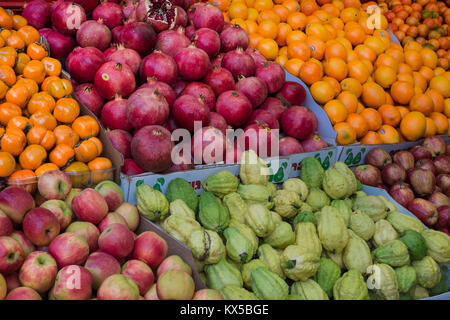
(322, 92)
(336, 50)
(438, 100)
(406, 77)
(345, 133)
(299, 50)
(308, 7)
(283, 31)
(360, 108)
(317, 48)
(347, 44)
(388, 134)
(384, 37)
(402, 110)
(322, 15)
(373, 118)
(358, 123)
(441, 122)
(334, 83)
(447, 107)
(337, 24)
(310, 72)
(268, 48)
(336, 68)
(358, 71)
(352, 85)
(390, 115)
(420, 81)
(430, 129)
(426, 72)
(387, 60)
(351, 4)
(429, 58)
(255, 38)
(365, 52)
(316, 29)
(336, 111)
(261, 5)
(356, 35)
(293, 66)
(282, 12)
(281, 60)
(413, 126)
(385, 76)
(422, 103)
(373, 95)
(349, 100)
(441, 84)
(349, 14)
(238, 10)
(402, 92)
(371, 137)
(413, 59)
(397, 54)
(291, 5)
(252, 14)
(268, 29)
(221, 4)
(295, 35)
(268, 15)
(404, 68)
(330, 9)
(297, 20)
(376, 44)
(283, 51)
(252, 26)
(332, 33)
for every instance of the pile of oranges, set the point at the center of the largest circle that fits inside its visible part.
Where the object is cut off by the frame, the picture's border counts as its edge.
(372, 90)
(40, 124)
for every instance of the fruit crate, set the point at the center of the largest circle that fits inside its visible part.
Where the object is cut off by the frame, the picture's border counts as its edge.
(445, 268)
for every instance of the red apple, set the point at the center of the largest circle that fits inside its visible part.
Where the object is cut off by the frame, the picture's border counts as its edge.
(150, 248)
(90, 206)
(420, 152)
(443, 182)
(40, 226)
(445, 230)
(368, 174)
(435, 144)
(140, 273)
(422, 182)
(38, 271)
(26, 244)
(118, 287)
(72, 194)
(207, 294)
(112, 193)
(382, 186)
(152, 294)
(117, 240)
(101, 265)
(15, 202)
(448, 149)
(69, 248)
(402, 193)
(54, 184)
(173, 262)
(12, 281)
(88, 231)
(111, 218)
(23, 293)
(130, 213)
(393, 173)
(439, 199)
(11, 255)
(424, 210)
(442, 164)
(404, 159)
(443, 217)
(72, 283)
(61, 211)
(175, 285)
(426, 164)
(6, 226)
(378, 157)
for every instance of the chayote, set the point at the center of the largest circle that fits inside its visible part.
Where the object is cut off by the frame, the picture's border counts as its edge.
(180, 227)
(281, 237)
(349, 175)
(384, 232)
(276, 218)
(332, 230)
(298, 263)
(394, 253)
(286, 203)
(335, 184)
(317, 199)
(272, 188)
(416, 244)
(357, 255)
(233, 292)
(390, 207)
(373, 206)
(271, 258)
(336, 257)
(351, 286)
(255, 193)
(308, 290)
(246, 231)
(253, 169)
(440, 288)
(305, 216)
(428, 272)
(384, 281)
(298, 186)
(307, 238)
(344, 209)
(151, 203)
(236, 206)
(418, 292)
(406, 278)
(221, 183)
(438, 244)
(362, 225)
(259, 219)
(402, 222)
(179, 207)
(327, 275)
(247, 270)
(206, 246)
(239, 248)
(221, 274)
(267, 285)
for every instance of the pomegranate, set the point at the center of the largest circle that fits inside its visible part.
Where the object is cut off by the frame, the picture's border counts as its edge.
(88, 95)
(161, 14)
(44, 32)
(159, 65)
(234, 37)
(420, 152)
(162, 88)
(60, 45)
(220, 80)
(202, 91)
(258, 137)
(114, 114)
(193, 63)
(126, 56)
(436, 145)
(191, 6)
(292, 93)
(129, 9)
(314, 143)
(94, 34)
(188, 109)
(218, 121)
(256, 55)
(239, 62)
(289, 145)
(151, 148)
(208, 16)
(254, 89)
(83, 63)
(114, 78)
(208, 145)
(217, 61)
(111, 13)
(54, 5)
(179, 167)
(170, 124)
(234, 107)
(172, 41)
(116, 33)
(442, 164)
(67, 17)
(274, 106)
(89, 5)
(37, 13)
(139, 36)
(131, 168)
(189, 32)
(208, 40)
(299, 122)
(147, 107)
(121, 141)
(272, 74)
(264, 117)
(178, 86)
(110, 50)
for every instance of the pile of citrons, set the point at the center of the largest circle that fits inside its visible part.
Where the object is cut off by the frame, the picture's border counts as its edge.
(372, 90)
(40, 124)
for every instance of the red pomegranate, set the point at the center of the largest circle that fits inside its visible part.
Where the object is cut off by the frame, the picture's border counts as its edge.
(182, 17)
(60, 45)
(274, 106)
(218, 121)
(114, 78)
(139, 36)
(129, 9)
(264, 117)
(147, 107)
(68, 17)
(126, 56)
(178, 86)
(114, 115)
(37, 13)
(89, 5)
(202, 91)
(234, 107)
(208, 40)
(239, 62)
(159, 65)
(151, 148)
(162, 88)
(116, 33)
(292, 93)
(289, 145)
(83, 63)
(172, 41)
(314, 143)
(187, 110)
(220, 80)
(217, 61)
(254, 89)
(272, 74)
(161, 14)
(256, 55)
(94, 34)
(208, 145)
(121, 141)
(298, 122)
(258, 137)
(234, 37)
(208, 16)
(189, 31)
(193, 63)
(111, 13)
(131, 168)
(88, 95)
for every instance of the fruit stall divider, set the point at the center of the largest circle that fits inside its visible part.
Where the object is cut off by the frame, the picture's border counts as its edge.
(174, 247)
(445, 268)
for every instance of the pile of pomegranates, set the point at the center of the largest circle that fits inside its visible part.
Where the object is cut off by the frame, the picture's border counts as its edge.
(149, 67)
(418, 179)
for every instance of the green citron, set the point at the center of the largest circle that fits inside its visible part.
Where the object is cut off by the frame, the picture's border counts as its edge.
(298, 186)
(286, 203)
(344, 209)
(386, 286)
(406, 278)
(438, 244)
(349, 175)
(179, 208)
(332, 230)
(232, 292)
(307, 238)
(213, 215)
(373, 206)
(206, 246)
(312, 172)
(351, 286)
(305, 216)
(253, 169)
(317, 199)
(362, 225)
(260, 220)
(298, 264)
(327, 275)
(222, 274)
(236, 206)
(281, 237)
(308, 290)
(181, 189)
(271, 259)
(151, 203)
(402, 222)
(357, 255)
(247, 271)
(335, 184)
(180, 227)
(394, 253)
(416, 244)
(246, 231)
(267, 285)
(239, 248)
(221, 183)
(427, 271)
(384, 232)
